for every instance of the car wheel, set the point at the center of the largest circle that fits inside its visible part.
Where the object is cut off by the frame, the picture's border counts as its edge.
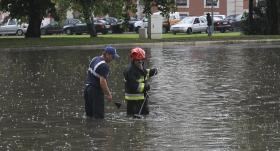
(223, 30)
(43, 31)
(68, 31)
(19, 32)
(189, 31)
(104, 32)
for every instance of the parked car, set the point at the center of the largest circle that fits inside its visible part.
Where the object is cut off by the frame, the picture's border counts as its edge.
(230, 23)
(71, 21)
(174, 18)
(222, 17)
(13, 27)
(166, 26)
(190, 25)
(80, 28)
(143, 23)
(101, 26)
(131, 23)
(216, 19)
(235, 21)
(51, 28)
(115, 24)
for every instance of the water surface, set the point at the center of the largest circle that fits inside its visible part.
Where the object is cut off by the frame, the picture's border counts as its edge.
(223, 97)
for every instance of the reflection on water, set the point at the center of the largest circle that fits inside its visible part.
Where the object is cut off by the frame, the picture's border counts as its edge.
(222, 97)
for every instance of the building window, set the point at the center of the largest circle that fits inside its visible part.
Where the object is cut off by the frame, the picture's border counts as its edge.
(182, 3)
(208, 3)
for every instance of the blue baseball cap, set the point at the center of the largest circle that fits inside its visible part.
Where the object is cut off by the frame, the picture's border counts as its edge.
(112, 51)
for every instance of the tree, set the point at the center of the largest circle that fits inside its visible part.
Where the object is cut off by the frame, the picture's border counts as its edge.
(263, 19)
(111, 7)
(33, 10)
(278, 14)
(164, 6)
(62, 6)
(87, 7)
(272, 16)
(90, 7)
(250, 17)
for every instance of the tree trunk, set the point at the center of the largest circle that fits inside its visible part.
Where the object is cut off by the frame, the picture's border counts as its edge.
(91, 28)
(168, 23)
(272, 17)
(278, 15)
(89, 19)
(251, 7)
(33, 30)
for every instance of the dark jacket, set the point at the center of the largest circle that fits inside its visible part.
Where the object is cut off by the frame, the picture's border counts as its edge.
(136, 82)
(209, 20)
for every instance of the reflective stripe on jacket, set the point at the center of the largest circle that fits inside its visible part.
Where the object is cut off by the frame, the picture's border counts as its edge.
(135, 82)
(93, 71)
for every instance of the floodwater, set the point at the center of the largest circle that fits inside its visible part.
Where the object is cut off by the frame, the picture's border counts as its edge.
(220, 97)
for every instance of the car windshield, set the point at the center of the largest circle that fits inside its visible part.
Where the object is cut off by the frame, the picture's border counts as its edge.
(187, 20)
(238, 17)
(230, 17)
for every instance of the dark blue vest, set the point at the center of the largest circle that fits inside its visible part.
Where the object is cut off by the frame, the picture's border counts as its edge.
(97, 67)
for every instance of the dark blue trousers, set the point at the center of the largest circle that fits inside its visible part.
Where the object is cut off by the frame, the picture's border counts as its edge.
(94, 102)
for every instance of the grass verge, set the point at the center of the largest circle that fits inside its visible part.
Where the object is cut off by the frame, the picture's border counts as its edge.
(74, 40)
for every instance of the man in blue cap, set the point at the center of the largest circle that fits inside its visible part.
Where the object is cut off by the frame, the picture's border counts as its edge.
(96, 83)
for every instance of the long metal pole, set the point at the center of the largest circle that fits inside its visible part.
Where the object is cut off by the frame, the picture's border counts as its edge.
(212, 16)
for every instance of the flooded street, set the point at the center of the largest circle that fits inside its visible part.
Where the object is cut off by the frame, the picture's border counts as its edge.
(220, 97)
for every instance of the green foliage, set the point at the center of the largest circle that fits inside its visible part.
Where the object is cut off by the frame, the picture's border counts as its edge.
(165, 6)
(61, 6)
(32, 10)
(111, 7)
(26, 8)
(257, 25)
(264, 19)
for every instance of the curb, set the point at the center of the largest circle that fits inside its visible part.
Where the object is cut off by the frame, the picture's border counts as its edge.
(144, 45)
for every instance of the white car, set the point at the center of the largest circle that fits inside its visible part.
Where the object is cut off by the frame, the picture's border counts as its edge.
(190, 25)
(12, 27)
(222, 17)
(143, 23)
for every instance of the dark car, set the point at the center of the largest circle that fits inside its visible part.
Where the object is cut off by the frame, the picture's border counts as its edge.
(51, 28)
(102, 26)
(130, 24)
(230, 23)
(74, 26)
(71, 21)
(117, 26)
(236, 22)
(80, 28)
(223, 26)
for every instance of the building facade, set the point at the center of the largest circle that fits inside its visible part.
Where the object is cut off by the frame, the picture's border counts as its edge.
(222, 7)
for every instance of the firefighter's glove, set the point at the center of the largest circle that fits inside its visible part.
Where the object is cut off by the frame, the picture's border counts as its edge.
(146, 87)
(153, 71)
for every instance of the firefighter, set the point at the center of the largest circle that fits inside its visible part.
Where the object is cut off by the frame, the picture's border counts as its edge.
(96, 83)
(136, 85)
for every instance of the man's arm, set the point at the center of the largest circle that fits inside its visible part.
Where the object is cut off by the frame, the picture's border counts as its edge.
(105, 88)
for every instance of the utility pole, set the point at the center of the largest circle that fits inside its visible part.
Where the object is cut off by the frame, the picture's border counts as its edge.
(212, 16)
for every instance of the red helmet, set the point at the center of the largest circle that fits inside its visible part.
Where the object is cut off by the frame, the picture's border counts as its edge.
(137, 54)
